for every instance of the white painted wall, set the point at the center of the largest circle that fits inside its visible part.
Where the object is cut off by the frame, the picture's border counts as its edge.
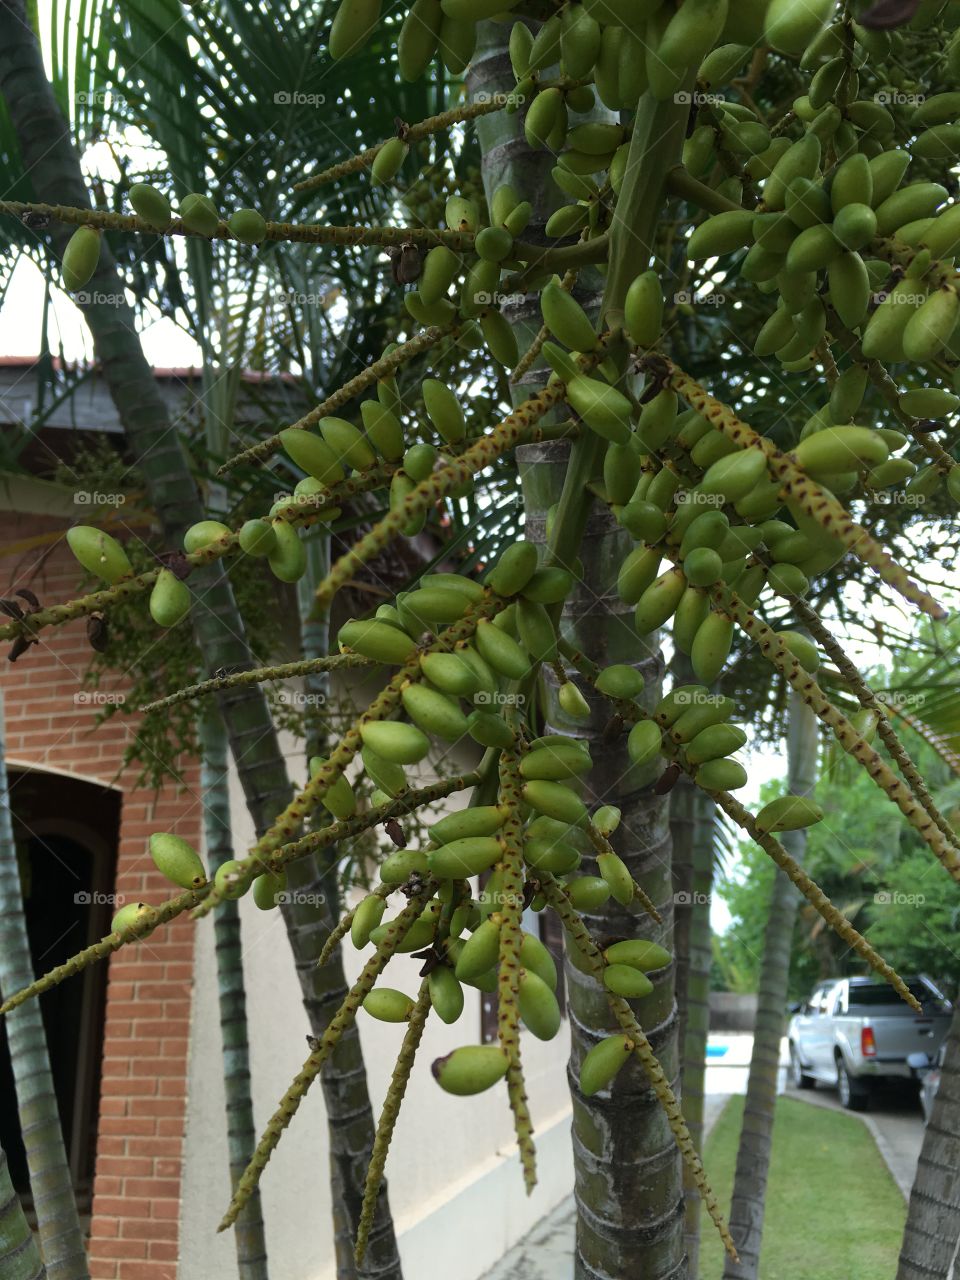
(456, 1188)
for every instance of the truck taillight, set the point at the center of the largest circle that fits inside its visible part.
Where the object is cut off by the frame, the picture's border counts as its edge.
(868, 1045)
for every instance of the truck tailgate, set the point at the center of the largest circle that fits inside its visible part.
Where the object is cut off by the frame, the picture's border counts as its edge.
(897, 1035)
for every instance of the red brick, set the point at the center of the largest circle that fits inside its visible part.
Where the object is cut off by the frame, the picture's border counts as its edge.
(163, 1250)
(147, 1229)
(154, 1188)
(119, 1248)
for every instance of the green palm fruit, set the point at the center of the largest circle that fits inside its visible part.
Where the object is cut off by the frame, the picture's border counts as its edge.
(637, 573)
(366, 918)
(606, 819)
(555, 800)
(807, 204)
(721, 233)
(488, 729)
(890, 473)
(338, 797)
(887, 170)
(550, 585)
(440, 268)
(788, 580)
(587, 893)
(501, 651)
(457, 41)
(130, 914)
(545, 50)
(288, 561)
(480, 951)
(383, 428)
(386, 774)
(710, 710)
(461, 214)
(398, 867)
(566, 319)
(99, 553)
(852, 183)
(790, 25)
(450, 673)
(537, 633)
(559, 759)
(313, 454)
(257, 538)
(225, 880)
(203, 534)
(883, 335)
(514, 569)
(734, 476)
(643, 743)
(637, 953)
(151, 205)
(535, 958)
(789, 813)
(658, 420)
(248, 226)
(388, 161)
(604, 409)
(395, 741)
(620, 681)
(418, 461)
(376, 640)
(711, 646)
(673, 704)
(708, 529)
(840, 449)
(775, 332)
(268, 888)
(434, 712)
(929, 402)
(199, 214)
(572, 702)
(469, 856)
(81, 257)
(472, 1068)
(429, 606)
(855, 226)
(929, 329)
(813, 249)
(548, 855)
(538, 1005)
(347, 443)
(721, 775)
(177, 860)
(643, 309)
(520, 44)
(849, 288)
(500, 338)
(169, 599)
(702, 567)
(659, 602)
(847, 394)
(802, 648)
(614, 871)
(545, 113)
(446, 994)
(691, 611)
(624, 980)
(942, 142)
(643, 519)
(775, 231)
(800, 160)
(352, 26)
(417, 41)
(567, 220)
(942, 234)
(602, 1063)
(388, 1005)
(580, 37)
(444, 410)
(480, 820)
(494, 244)
(916, 200)
(715, 741)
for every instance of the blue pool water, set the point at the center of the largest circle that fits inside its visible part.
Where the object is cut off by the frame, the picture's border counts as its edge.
(716, 1050)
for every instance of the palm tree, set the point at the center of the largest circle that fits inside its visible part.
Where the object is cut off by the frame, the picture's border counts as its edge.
(19, 1255)
(58, 1222)
(753, 1153)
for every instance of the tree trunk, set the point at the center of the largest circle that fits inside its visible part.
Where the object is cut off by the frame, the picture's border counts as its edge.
(19, 1255)
(753, 1153)
(241, 1135)
(931, 1238)
(61, 1237)
(48, 156)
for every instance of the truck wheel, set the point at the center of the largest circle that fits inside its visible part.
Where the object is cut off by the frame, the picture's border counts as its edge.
(854, 1093)
(798, 1077)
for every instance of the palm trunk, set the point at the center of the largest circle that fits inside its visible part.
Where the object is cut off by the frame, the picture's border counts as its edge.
(19, 1255)
(692, 816)
(753, 1153)
(61, 1237)
(343, 1079)
(241, 1135)
(48, 156)
(931, 1238)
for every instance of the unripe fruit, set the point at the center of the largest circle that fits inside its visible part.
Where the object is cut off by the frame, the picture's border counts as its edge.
(472, 1068)
(929, 402)
(130, 914)
(545, 854)
(603, 1062)
(199, 214)
(366, 918)
(288, 561)
(711, 646)
(637, 573)
(376, 640)
(352, 26)
(588, 893)
(338, 797)
(789, 813)
(225, 880)
(397, 742)
(480, 820)
(572, 702)
(714, 742)
(177, 860)
(169, 599)
(347, 443)
(313, 454)
(470, 856)
(99, 553)
(538, 1006)
(566, 319)
(624, 980)
(151, 205)
(268, 888)
(802, 648)
(790, 25)
(535, 957)
(481, 950)
(930, 328)
(434, 712)
(556, 761)
(488, 729)
(514, 569)
(849, 288)
(644, 741)
(444, 410)
(638, 953)
(387, 1005)
(556, 801)
(620, 681)
(501, 651)
(702, 567)
(734, 476)
(500, 338)
(80, 258)
(614, 871)
(841, 449)
(451, 673)
(721, 775)
(446, 994)
(721, 233)
(248, 226)
(257, 538)
(604, 409)
(659, 602)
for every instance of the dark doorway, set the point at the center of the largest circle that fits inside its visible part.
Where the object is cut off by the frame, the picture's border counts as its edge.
(66, 833)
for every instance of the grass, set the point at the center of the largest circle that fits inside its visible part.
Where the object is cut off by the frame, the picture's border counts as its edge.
(833, 1212)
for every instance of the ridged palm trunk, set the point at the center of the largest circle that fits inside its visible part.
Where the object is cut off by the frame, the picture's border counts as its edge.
(19, 1255)
(231, 994)
(49, 158)
(692, 816)
(756, 1135)
(627, 1168)
(931, 1238)
(61, 1237)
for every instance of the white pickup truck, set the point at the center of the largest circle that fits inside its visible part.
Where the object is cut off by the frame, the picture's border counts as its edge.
(852, 1031)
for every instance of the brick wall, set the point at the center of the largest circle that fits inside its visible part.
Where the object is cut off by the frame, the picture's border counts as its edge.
(133, 1234)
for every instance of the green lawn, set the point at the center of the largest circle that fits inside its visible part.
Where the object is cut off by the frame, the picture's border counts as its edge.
(833, 1211)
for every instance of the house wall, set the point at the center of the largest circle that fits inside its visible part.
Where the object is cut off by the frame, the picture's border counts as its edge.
(50, 726)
